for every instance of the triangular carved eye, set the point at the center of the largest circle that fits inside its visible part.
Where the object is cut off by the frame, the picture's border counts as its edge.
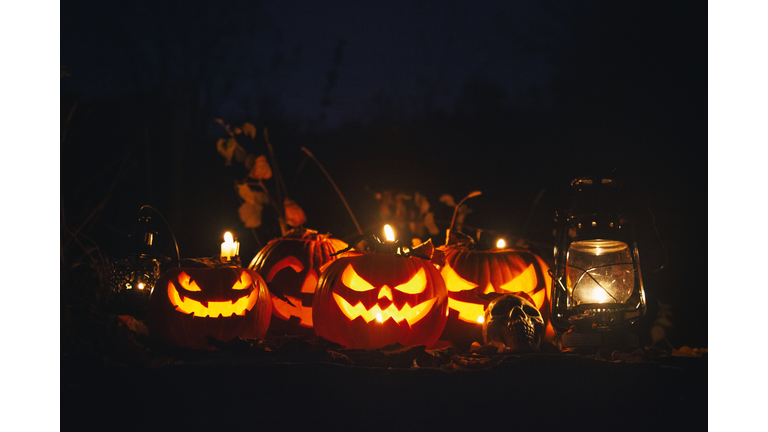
(187, 283)
(454, 282)
(416, 285)
(523, 282)
(353, 281)
(245, 281)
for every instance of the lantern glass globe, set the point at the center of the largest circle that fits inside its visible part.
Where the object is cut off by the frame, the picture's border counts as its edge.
(599, 271)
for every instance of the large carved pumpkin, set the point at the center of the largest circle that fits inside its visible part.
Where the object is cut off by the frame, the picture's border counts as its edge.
(291, 266)
(189, 304)
(475, 277)
(373, 300)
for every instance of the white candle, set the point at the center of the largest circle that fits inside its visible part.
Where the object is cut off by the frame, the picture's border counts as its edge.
(229, 248)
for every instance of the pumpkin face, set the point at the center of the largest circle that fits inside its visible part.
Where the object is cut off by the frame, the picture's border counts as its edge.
(475, 277)
(291, 266)
(189, 304)
(373, 300)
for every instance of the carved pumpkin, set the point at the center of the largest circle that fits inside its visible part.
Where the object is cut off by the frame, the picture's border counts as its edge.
(291, 266)
(189, 304)
(475, 277)
(373, 300)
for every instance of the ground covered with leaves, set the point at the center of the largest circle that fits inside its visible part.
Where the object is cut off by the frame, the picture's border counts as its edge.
(297, 382)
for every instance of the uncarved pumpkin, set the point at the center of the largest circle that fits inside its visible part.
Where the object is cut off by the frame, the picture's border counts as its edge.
(475, 277)
(291, 266)
(189, 304)
(373, 300)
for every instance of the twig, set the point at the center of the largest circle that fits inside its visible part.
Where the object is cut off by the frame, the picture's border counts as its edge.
(456, 210)
(104, 201)
(360, 230)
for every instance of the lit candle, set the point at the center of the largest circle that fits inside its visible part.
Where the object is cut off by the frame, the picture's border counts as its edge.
(501, 243)
(229, 248)
(388, 233)
(390, 245)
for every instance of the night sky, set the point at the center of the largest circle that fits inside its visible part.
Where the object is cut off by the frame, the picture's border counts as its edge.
(514, 99)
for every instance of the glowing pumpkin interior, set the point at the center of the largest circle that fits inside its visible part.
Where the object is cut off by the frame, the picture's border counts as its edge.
(185, 300)
(474, 312)
(293, 307)
(412, 314)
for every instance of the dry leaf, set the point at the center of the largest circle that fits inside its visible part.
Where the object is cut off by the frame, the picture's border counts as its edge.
(240, 153)
(250, 161)
(250, 214)
(429, 222)
(261, 169)
(294, 215)
(448, 200)
(421, 202)
(251, 196)
(249, 130)
(226, 148)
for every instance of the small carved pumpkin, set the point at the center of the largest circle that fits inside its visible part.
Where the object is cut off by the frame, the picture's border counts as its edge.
(291, 266)
(373, 300)
(475, 277)
(189, 304)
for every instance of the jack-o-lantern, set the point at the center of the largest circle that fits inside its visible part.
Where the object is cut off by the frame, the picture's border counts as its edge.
(291, 266)
(189, 304)
(373, 300)
(474, 277)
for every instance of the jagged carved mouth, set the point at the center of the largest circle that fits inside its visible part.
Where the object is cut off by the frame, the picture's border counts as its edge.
(410, 314)
(213, 309)
(285, 310)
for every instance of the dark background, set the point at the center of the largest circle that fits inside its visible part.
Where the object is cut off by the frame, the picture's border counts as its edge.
(508, 98)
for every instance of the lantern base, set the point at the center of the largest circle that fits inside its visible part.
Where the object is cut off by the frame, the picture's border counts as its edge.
(591, 342)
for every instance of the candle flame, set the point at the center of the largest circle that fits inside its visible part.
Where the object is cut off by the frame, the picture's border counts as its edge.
(228, 237)
(501, 243)
(388, 233)
(141, 285)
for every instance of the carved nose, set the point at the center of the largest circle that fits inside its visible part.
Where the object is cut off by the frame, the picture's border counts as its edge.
(385, 291)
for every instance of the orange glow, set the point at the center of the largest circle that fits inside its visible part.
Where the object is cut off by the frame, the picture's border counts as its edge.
(489, 289)
(310, 282)
(228, 237)
(388, 233)
(214, 309)
(523, 282)
(188, 285)
(408, 313)
(285, 310)
(245, 281)
(469, 312)
(385, 292)
(501, 244)
(416, 285)
(289, 261)
(353, 281)
(454, 282)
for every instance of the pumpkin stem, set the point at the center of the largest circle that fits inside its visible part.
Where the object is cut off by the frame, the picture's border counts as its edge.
(349, 210)
(456, 210)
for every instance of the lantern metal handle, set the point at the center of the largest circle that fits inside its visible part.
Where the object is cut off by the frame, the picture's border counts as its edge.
(170, 231)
